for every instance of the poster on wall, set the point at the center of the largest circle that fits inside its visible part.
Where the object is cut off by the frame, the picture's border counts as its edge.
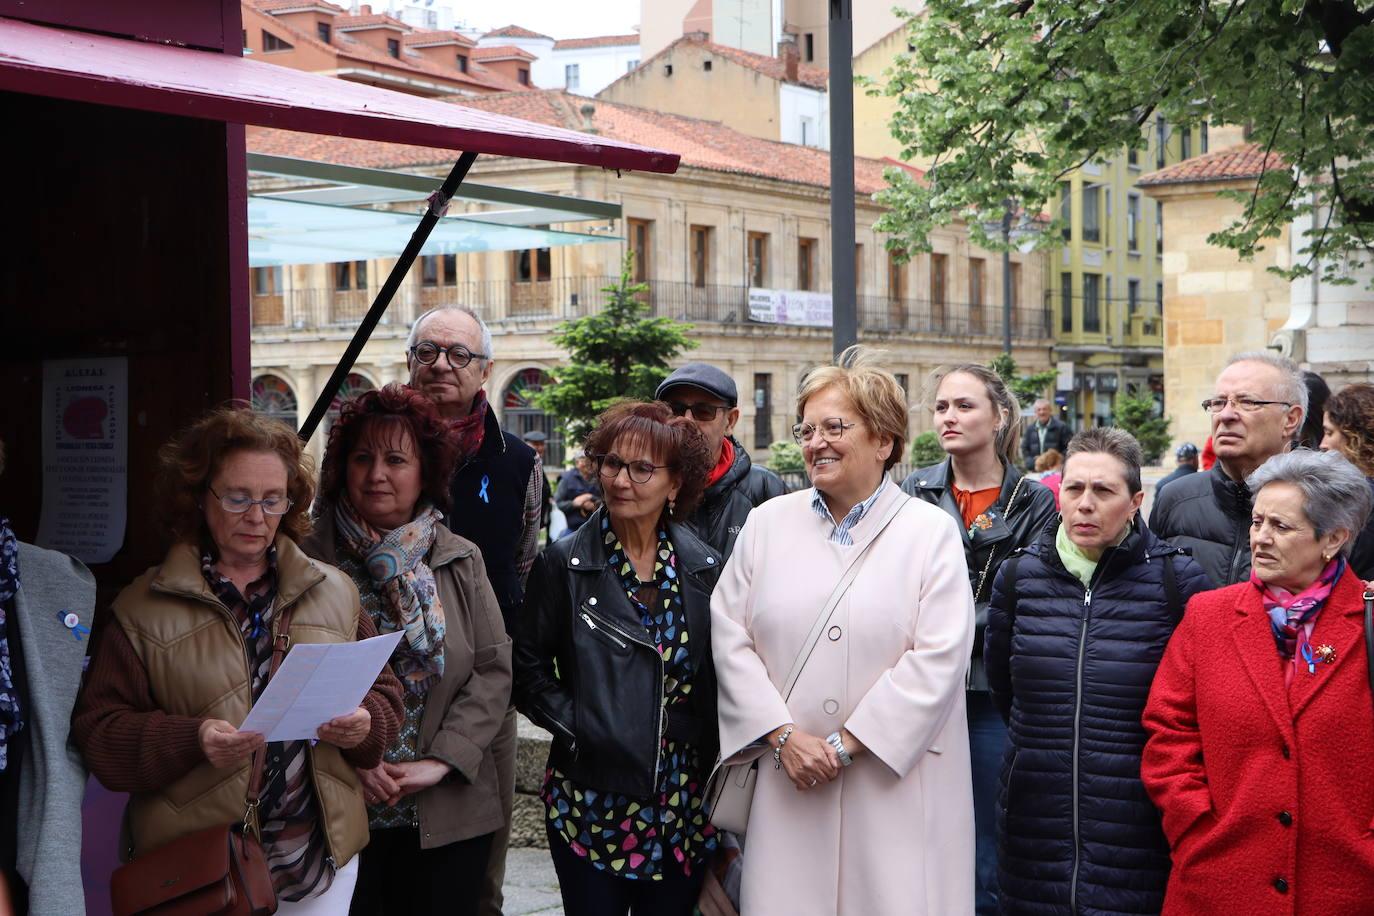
(784, 306)
(85, 456)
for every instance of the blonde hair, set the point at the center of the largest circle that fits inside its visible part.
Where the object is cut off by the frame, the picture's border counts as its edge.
(1003, 403)
(875, 393)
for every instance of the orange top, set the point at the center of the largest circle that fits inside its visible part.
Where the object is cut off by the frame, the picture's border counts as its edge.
(973, 503)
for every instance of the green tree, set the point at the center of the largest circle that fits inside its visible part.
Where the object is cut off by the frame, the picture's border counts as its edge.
(1027, 388)
(620, 352)
(925, 449)
(784, 456)
(1135, 413)
(1010, 96)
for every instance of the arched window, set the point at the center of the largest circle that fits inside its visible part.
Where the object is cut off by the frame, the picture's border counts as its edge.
(273, 398)
(520, 415)
(353, 385)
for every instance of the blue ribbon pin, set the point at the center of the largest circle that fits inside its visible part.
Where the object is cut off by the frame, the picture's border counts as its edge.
(482, 493)
(73, 623)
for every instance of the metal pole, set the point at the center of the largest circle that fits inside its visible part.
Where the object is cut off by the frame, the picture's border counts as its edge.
(845, 326)
(438, 203)
(1006, 279)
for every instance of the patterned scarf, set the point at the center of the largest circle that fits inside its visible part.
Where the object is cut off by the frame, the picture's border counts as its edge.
(472, 429)
(10, 719)
(1289, 614)
(397, 588)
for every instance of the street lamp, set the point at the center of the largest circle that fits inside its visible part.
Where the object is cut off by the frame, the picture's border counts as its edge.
(1022, 229)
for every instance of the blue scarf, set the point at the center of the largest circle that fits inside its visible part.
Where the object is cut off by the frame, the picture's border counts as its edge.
(10, 718)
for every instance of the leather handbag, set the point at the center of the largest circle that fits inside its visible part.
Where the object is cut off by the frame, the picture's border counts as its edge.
(730, 791)
(219, 870)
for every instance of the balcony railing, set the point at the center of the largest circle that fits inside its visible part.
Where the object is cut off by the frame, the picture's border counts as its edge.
(563, 298)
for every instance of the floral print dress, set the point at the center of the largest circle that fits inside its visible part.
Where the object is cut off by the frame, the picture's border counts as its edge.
(666, 835)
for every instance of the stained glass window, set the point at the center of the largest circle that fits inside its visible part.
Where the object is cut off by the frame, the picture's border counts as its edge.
(272, 397)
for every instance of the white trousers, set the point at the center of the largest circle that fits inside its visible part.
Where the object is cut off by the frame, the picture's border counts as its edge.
(333, 902)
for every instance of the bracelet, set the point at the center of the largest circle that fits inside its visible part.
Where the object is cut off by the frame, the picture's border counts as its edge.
(834, 740)
(777, 751)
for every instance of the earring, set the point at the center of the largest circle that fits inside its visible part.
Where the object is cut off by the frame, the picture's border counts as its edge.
(672, 505)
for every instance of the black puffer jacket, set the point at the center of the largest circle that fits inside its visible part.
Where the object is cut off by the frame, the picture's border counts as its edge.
(1071, 669)
(1209, 513)
(586, 671)
(1009, 527)
(727, 502)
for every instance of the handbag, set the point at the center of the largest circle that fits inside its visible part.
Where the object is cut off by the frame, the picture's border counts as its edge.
(220, 870)
(730, 790)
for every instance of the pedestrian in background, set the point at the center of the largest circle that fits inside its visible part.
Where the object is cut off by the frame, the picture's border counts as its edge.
(434, 805)
(1049, 469)
(1043, 433)
(1077, 624)
(538, 440)
(186, 651)
(494, 499)
(736, 486)
(1261, 737)
(579, 492)
(997, 511)
(613, 657)
(1186, 460)
(863, 801)
(1256, 409)
(1348, 428)
(1310, 433)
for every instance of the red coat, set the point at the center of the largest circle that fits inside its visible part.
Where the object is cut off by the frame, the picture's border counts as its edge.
(1267, 791)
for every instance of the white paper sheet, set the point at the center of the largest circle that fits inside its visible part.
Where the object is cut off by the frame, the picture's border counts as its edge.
(315, 683)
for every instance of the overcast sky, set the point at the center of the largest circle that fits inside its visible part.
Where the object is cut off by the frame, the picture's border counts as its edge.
(556, 18)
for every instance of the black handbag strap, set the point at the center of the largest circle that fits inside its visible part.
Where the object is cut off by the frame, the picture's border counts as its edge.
(1369, 635)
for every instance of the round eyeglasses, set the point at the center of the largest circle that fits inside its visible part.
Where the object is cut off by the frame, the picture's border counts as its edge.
(427, 352)
(610, 466)
(239, 504)
(830, 429)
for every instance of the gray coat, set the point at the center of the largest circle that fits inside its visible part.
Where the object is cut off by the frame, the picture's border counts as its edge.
(52, 777)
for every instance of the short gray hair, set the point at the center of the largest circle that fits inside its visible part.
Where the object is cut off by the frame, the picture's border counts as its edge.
(1335, 494)
(1110, 440)
(466, 310)
(1292, 389)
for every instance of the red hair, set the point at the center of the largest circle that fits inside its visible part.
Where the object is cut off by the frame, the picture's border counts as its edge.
(671, 440)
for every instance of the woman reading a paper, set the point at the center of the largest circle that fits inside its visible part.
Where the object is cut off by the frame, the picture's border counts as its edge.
(433, 802)
(187, 649)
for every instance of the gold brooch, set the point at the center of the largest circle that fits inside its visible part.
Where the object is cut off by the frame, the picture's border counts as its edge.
(1326, 654)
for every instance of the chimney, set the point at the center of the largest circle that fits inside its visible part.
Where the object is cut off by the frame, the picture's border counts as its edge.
(365, 10)
(791, 57)
(697, 36)
(588, 109)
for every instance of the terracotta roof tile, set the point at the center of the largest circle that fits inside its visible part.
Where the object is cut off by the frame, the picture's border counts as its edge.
(421, 38)
(504, 52)
(702, 144)
(1247, 161)
(599, 41)
(282, 6)
(342, 23)
(514, 31)
(807, 75)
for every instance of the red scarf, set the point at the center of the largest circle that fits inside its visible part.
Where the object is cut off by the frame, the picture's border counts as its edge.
(470, 430)
(727, 458)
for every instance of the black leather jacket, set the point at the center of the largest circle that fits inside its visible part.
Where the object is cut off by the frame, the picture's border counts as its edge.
(728, 502)
(1010, 528)
(586, 671)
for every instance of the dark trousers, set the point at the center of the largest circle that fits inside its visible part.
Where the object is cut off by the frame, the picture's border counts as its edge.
(396, 876)
(589, 891)
(987, 738)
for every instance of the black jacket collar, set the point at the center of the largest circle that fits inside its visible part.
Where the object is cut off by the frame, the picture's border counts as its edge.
(1233, 496)
(739, 469)
(938, 480)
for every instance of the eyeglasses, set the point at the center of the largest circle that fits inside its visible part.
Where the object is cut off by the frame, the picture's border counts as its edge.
(1244, 405)
(831, 429)
(271, 505)
(427, 352)
(701, 411)
(610, 466)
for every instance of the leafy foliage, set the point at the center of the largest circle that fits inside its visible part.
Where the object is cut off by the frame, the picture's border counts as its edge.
(925, 450)
(1010, 95)
(1135, 413)
(1026, 387)
(785, 457)
(615, 354)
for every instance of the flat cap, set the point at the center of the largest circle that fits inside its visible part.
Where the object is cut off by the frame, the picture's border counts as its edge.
(535, 435)
(706, 377)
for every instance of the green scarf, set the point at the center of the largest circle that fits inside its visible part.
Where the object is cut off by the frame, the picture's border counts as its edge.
(1076, 561)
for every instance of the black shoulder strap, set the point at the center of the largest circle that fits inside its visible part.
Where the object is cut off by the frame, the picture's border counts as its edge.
(1171, 595)
(1369, 634)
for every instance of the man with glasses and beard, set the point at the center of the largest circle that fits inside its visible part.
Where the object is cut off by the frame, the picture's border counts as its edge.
(1257, 406)
(708, 397)
(496, 496)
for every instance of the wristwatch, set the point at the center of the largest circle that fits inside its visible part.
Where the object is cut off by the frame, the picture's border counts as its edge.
(833, 739)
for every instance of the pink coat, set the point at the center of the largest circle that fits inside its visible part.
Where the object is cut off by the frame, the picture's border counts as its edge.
(893, 834)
